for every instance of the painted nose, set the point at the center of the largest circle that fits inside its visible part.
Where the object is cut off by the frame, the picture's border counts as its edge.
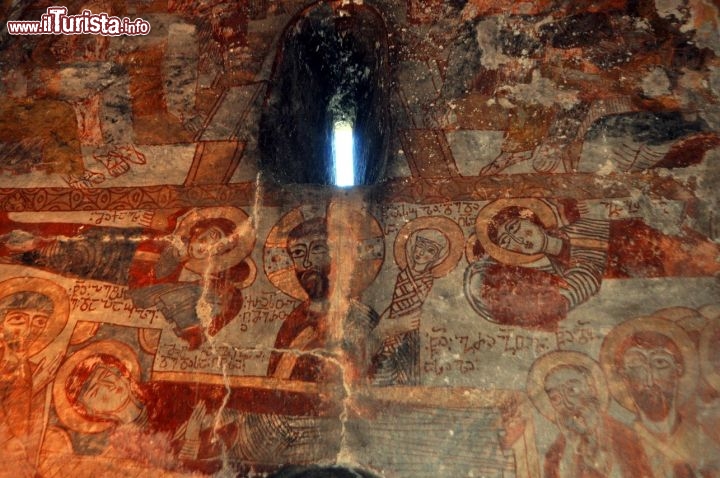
(22, 331)
(646, 377)
(517, 239)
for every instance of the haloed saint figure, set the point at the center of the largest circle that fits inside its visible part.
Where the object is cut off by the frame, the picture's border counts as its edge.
(25, 316)
(212, 267)
(573, 398)
(99, 389)
(306, 326)
(210, 237)
(33, 312)
(569, 388)
(302, 259)
(310, 254)
(425, 249)
(521, 232)
(530, 265)
(652, 366)
(102, 388)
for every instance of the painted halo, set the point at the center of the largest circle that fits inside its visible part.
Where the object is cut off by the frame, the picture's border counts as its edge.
(709, 366)
(690, 320)
(244, 231)
(149, 340)
(444, 225)
(252, 275)
(64, 409)
(359, 229)
(662, 326)
(84, 331)
(547, 363)
(544, 211)
(711, 312)
(59, 298)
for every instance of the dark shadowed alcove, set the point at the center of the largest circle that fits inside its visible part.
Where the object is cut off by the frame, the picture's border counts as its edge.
(330, 69)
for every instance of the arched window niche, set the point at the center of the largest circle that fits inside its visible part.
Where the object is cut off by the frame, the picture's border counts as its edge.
(325, 119)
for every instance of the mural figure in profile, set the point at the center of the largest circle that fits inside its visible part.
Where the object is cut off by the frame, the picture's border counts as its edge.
(569, 388)
(425, 249)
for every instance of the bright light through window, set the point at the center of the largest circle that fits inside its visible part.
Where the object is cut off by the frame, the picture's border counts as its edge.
(343, 154)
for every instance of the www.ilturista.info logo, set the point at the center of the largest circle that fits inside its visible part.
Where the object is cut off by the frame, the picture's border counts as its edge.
(56, 21)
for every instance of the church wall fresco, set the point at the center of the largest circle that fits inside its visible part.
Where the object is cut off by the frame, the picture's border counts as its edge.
(531, 292)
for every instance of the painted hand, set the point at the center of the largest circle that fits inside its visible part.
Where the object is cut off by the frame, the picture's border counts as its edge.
(20, 241)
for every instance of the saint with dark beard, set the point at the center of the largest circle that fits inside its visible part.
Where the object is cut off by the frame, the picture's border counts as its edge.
(652, 367)
(307, 327)
(308, 249)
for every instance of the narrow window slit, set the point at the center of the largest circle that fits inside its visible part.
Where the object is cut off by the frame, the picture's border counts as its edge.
(326, 115)
(343, 154)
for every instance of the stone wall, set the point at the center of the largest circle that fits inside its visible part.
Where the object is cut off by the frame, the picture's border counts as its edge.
(526, 284)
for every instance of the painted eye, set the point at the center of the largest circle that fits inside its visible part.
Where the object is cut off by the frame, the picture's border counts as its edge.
(297, 253)
(15, 319)
(319, 249)
(661, 363)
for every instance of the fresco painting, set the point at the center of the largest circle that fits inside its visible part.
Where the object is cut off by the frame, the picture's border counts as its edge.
(528, 287)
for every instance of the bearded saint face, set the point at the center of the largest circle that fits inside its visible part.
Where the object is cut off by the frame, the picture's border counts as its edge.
(311, 259)
(574, 400)
(24, 316)
(652, 376)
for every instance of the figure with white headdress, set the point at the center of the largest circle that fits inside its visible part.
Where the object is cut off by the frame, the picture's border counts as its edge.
(425, 249)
